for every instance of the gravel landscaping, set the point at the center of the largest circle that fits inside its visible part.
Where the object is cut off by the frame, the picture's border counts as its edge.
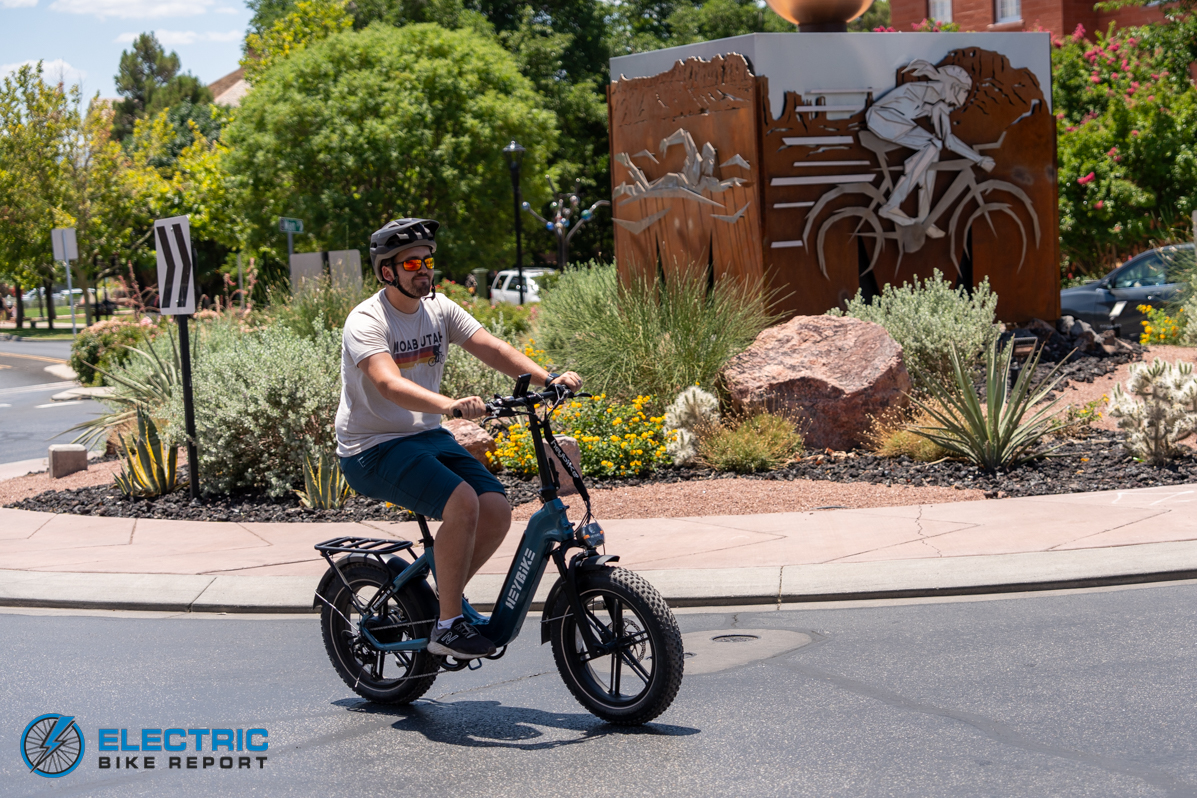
(827, 480)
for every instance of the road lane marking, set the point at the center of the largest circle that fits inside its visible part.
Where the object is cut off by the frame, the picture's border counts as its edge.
(33, 357)
(45, 386)
(3, 405)
(59, 404)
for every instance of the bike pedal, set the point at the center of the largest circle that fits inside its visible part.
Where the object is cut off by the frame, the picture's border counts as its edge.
(474, 664)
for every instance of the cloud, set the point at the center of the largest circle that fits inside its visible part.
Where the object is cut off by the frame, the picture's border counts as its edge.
(131, 9)
(174, 38)
(221, 10)
(52, 71)
(17, 3)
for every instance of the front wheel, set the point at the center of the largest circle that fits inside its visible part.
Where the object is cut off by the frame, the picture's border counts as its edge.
(634, 677)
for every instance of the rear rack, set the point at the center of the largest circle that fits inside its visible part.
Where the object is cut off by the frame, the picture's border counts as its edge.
(354, 545)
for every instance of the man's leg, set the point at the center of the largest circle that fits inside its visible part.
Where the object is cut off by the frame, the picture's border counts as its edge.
(455, 548)
(494, 519)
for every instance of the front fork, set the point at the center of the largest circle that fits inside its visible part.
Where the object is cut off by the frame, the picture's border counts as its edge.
(584, 560)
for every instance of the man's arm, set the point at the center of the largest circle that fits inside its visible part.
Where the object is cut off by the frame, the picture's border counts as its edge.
(505, 358)
(381, 370)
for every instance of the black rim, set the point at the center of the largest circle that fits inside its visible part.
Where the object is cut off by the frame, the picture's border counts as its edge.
(621, 672)
(380, 670)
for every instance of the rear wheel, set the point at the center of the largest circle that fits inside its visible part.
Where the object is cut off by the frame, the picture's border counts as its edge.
(397, 677)
(637, 673)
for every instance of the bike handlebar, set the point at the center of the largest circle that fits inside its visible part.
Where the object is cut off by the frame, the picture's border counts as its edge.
(500, 403)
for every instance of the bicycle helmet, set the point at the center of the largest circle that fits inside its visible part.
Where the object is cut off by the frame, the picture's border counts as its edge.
(398, 235)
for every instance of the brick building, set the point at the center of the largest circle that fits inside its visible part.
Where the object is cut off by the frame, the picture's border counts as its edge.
(1059, 16)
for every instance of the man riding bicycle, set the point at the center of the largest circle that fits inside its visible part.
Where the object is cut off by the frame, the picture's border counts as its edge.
(389, 435)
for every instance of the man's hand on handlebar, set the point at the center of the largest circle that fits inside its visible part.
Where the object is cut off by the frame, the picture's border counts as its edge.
(470, 407)
(569, 379)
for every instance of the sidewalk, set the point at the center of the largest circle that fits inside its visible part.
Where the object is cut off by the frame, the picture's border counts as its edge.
(1061, 541)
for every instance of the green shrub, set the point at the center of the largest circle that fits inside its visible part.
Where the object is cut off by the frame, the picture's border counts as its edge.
(264, 399)
(757, 442)
(465, 375)
(647, 337)
(516, 320)
(319, 307)
(104, 344)
(999, 433)
(614, 438)
(929, 319)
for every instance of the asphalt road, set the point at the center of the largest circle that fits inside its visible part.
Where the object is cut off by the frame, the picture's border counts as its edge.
(29, 421)
(1082, 693)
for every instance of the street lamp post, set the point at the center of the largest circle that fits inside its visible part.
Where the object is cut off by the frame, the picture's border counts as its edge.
(515, 154)
(563, 208)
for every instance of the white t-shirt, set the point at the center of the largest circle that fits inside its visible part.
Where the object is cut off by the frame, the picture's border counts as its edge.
(418, 342)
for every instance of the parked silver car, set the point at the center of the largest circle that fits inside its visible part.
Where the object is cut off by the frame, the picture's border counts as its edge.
(1150, 278)
(506, 286)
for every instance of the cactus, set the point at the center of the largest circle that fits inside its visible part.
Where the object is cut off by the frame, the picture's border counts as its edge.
(693, 408)
(1157, 410)
(683, 447)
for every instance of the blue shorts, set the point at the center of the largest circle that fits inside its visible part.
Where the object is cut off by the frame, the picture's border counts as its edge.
(419, 472)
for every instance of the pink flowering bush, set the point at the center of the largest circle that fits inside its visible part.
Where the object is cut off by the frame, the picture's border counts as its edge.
(1127, 156)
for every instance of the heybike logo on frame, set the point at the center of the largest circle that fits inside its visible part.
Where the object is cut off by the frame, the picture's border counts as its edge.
(52, 745)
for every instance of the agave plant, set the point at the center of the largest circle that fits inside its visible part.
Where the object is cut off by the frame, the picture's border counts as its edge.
(133, 395)
(151, 465)
(999, 433)
(325, 487)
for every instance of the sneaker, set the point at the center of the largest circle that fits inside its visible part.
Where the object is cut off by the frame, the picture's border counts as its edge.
(460, 641)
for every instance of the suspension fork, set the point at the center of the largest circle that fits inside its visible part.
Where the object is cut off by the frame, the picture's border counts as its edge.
(569, 574)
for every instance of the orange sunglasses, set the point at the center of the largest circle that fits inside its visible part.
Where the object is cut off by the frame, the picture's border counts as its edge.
(414, 264)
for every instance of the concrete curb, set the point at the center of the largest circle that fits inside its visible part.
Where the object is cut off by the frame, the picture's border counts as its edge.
(997, 573)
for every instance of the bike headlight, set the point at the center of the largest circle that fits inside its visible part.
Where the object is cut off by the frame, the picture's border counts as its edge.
(591, 535)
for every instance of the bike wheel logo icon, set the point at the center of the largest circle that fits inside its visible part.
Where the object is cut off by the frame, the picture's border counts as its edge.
(52, 745)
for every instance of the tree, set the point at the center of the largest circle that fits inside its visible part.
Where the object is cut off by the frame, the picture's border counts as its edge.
(149, 81)
(305, 22)
(35, 123)
(366, 126)
(1127, 158)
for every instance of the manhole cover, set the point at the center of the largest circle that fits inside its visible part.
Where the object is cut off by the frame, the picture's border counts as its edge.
(735, 638)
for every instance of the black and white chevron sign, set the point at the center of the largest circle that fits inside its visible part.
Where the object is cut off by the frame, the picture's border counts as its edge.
(176, 273)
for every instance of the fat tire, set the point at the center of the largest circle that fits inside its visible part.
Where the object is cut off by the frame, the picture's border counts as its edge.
(413, 604)
(664, 636)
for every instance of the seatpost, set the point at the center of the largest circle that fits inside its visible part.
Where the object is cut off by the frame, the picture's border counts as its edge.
(425, 534)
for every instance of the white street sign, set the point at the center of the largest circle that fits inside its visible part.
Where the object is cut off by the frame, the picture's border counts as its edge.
(176, 276)
(58, 237)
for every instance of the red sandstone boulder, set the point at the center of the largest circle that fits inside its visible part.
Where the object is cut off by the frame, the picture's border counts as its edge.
(476, 440)
(830, 373)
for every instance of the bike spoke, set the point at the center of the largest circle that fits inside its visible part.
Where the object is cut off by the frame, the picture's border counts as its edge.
(635, 665)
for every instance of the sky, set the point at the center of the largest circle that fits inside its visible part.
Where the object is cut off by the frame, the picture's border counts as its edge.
(82, 40)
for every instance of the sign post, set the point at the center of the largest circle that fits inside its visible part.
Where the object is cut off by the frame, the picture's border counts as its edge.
(290, 227)
(176, 297)
(62, 239)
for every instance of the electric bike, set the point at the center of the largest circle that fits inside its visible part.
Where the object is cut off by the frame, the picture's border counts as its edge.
(614, 639)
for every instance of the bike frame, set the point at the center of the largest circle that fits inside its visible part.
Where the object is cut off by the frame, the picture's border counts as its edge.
(549, 535)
